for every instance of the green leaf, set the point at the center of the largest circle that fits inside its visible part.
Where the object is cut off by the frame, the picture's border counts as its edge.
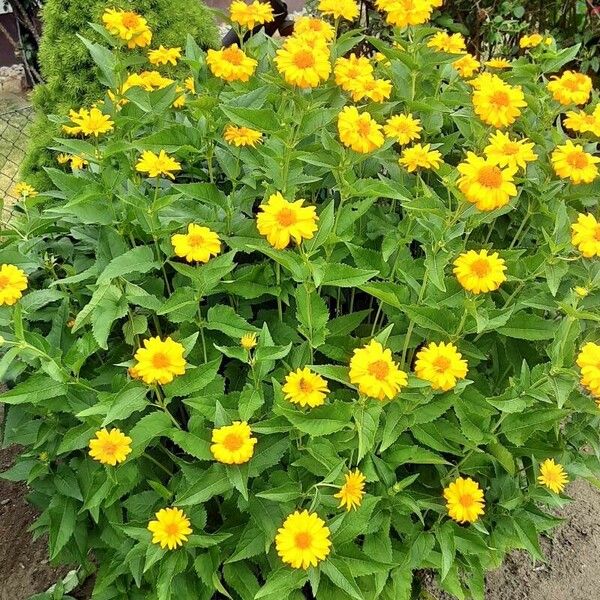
(312, 314)
(147, 429)
(341, 576)
(282, 582)
(137, 260)
(262, 119)
(132, 398)
(341, 275)
(34, 390)
(524, 326)
(321, 420)
(213, 483)
(224, 319)
(192, 444)
(445, 538)
(519, 427)
(193, 380)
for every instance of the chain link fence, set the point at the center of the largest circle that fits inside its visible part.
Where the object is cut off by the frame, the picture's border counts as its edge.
(14, 125)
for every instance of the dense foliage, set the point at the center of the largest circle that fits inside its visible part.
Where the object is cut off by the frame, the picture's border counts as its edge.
(226, 391)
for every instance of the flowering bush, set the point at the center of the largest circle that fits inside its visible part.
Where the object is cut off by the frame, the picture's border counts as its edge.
(304, 322)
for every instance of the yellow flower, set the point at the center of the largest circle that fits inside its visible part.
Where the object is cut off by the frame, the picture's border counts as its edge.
(401, 13)
(485, 184)
(572, 162)
(129, 26)
(157, 164)
(420, 156)
(498, 63)
(242, 136)
(190, 85)
(353, 490)
(302, 65)
(24, 190)
(281, 221)
(444, 42)
(464, 500)
(180, 101)
(251, 15)
(197, 245)
(303, 540)
(583, 122)
(158, 361)
(164, 56)
(350, 72)
(504, 152)
(531, 41)
(13, 282)
(466, 66)
(581, 291)
(585, 235)
(233, 444)
(151, 80)
(375, 373)
(63, 159)
(248, 341)
(339, 9)
(571, 88)
(403, 128)
(382, 58)
(89, 122)
(497, 103)
(588, 360)
(441, 364)
(359, 131)
(231, 64)
(77, 162)
(376, 90)
(170, 529)
(553, 476)
(479, 271)
(313, 25)
(305, 388)
(110, 447)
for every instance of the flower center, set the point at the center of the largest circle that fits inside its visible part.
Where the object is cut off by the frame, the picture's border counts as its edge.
(364, 128)
(4, 281)
(233, 55)
(578, 159)
(233, 442)
(572, 84)
(490, 177)
(130, 20)
(500, 98)
(481, 267)
(195, 240)
(379, 369)
(303, 540)
(511, 148)
(441, 363)
(305, 386)
(304, 59)
(466, 500)
(160, 361)
(110, 448)
(286, 217)
(172, 529)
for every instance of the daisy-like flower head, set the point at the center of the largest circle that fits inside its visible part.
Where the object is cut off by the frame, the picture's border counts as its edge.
(553, 476)
(63, 159)
(420, 156)
(164, 56)
(588, 360)
(571, 88)
(157, 164)
(352, 71)
(480, 272)
(531, 41)
(583, 122)
(353, 490)
(571, 161)
(251, 15)
(504, 152)
(233, 444)
(248, 341)
(110, 447)
(497, 103)
(466, 66)
(303, 540)
(24, 190)
(313, 25)
(582, 292)
(359, 131)
(442, 41)
(585, 235)
(13, 282)
(376, 90)
(441, 364)
(374, 371)
(401, 13)
(464, 500)
(242, 136)
(89, 122)
(305, 388)
(485, 184)
(231, 64)
(498, 63)
(77, 162)
(128, 26)
(190, 85)
(301, 65)
(170, 529)
(153, 80)
(403, 128)
(158, 361)
(339, 9)
(281, 221)
(180, 101)
(199, 244)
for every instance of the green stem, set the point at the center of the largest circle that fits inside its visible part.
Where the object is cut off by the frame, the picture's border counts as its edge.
(158, 464)
(411, 324)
